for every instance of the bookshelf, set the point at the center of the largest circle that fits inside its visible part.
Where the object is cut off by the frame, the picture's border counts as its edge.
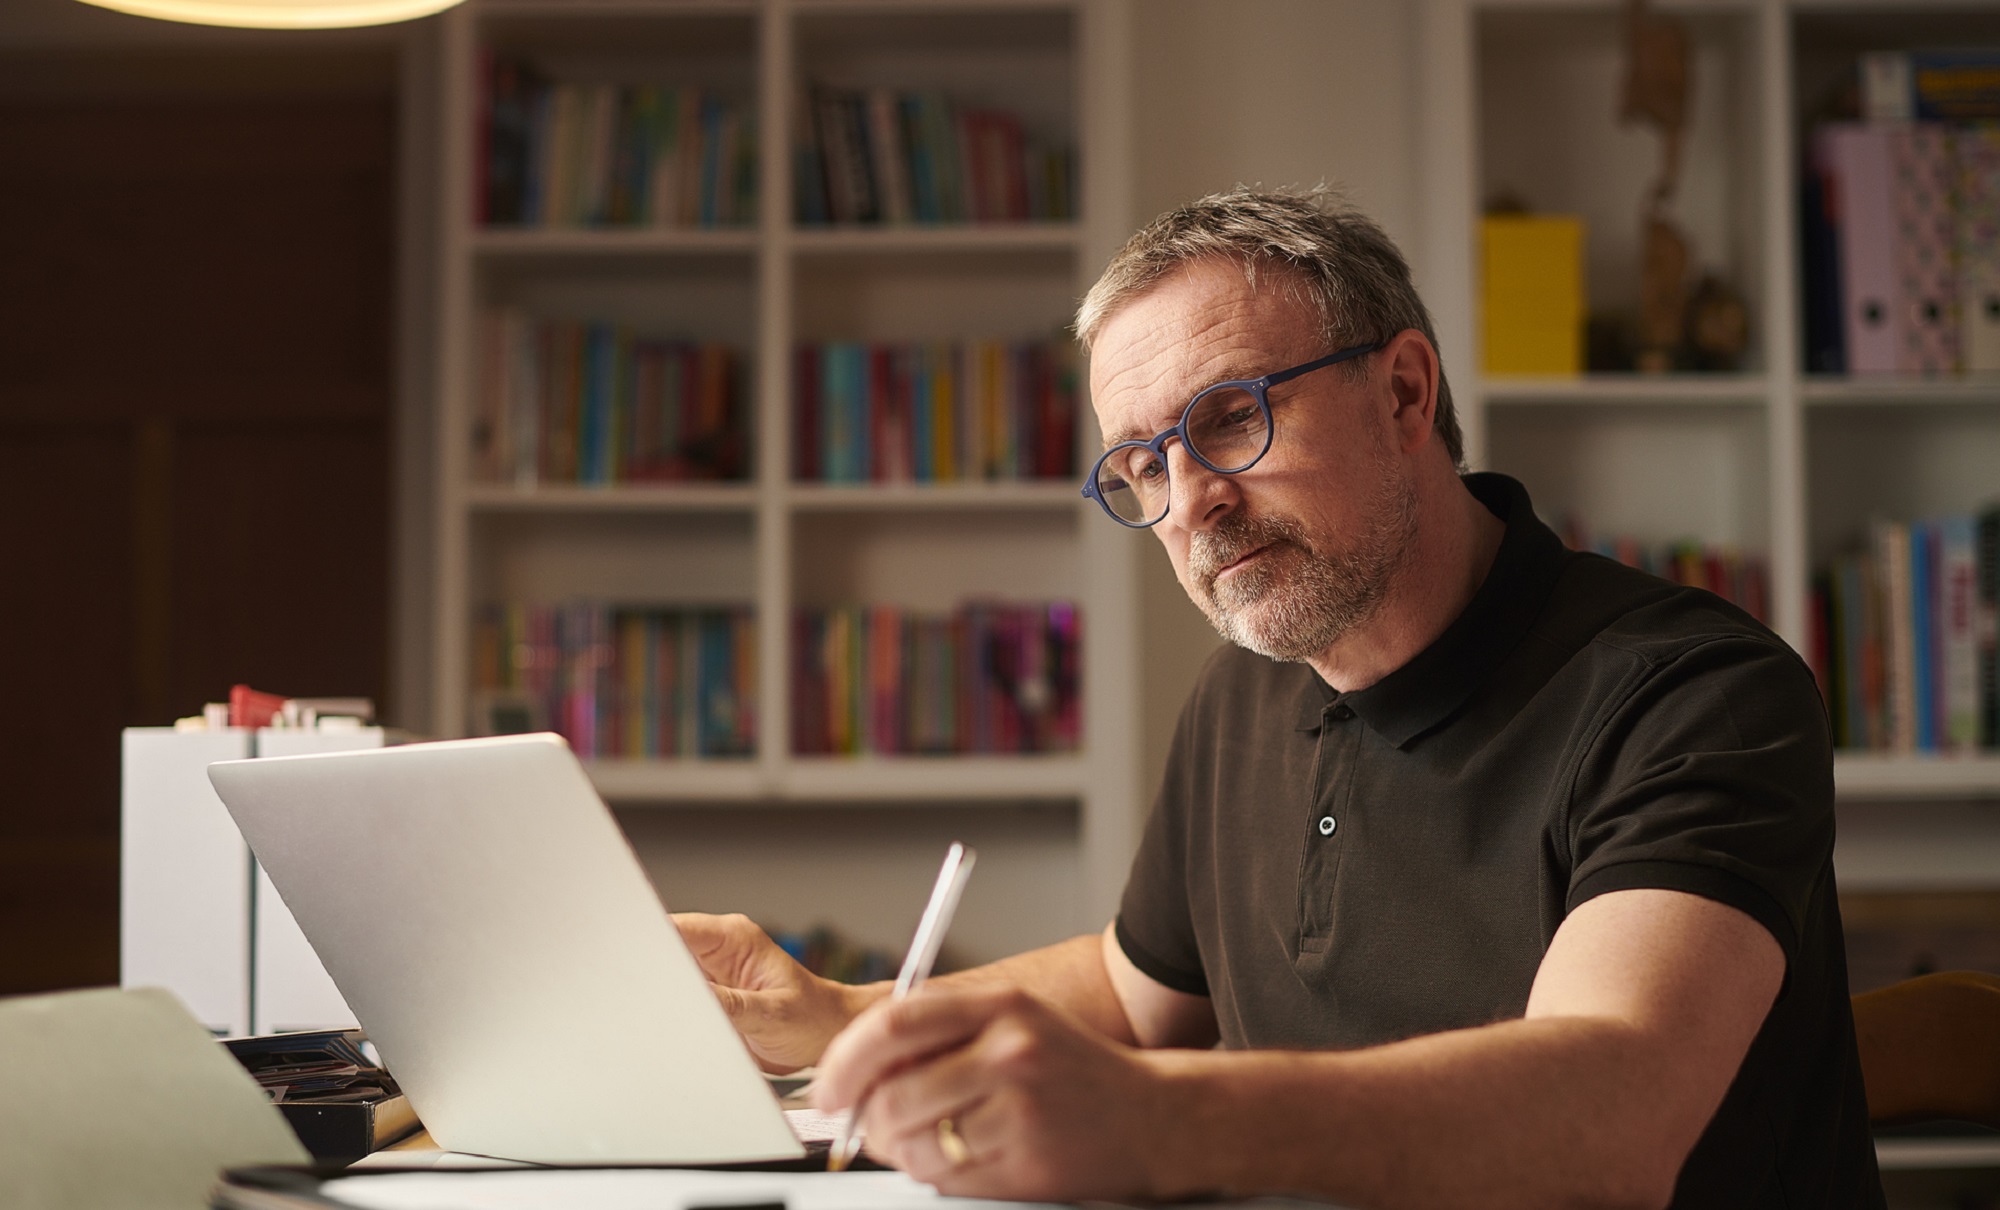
(1769, 458)
(1062, 824)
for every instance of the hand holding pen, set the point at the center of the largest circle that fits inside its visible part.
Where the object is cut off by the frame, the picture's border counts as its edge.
(917, 965)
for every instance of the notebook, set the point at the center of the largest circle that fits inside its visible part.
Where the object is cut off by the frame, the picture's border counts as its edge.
(494, 933)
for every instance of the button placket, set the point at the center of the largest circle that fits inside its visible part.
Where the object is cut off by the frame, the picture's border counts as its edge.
(1333, 781)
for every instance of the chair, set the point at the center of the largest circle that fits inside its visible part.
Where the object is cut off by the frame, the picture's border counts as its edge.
(1930, 1048)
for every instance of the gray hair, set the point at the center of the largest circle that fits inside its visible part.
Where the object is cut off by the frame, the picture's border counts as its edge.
(1326, 252)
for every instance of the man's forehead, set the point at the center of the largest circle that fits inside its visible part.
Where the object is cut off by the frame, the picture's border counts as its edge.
(1202, 321)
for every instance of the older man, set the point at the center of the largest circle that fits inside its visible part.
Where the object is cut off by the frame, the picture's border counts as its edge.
(1500, 872)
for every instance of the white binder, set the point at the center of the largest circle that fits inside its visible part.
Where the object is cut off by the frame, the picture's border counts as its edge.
(195, 915)
(184, 875)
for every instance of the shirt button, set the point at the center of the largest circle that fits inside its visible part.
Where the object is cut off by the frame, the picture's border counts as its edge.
(1342, 713)
(1326, 825)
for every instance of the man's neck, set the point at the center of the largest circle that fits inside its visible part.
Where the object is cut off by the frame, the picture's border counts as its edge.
(1444, 570)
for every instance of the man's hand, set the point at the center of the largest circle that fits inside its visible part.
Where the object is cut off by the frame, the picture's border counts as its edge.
(785, 1013)
(1046, 1106)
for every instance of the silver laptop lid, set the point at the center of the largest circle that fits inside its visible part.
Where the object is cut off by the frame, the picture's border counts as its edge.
(496, 936)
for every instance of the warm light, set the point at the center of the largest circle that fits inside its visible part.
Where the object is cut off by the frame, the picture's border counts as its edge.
(279, 14)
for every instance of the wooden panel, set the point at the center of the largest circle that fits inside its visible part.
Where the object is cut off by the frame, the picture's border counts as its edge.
(280, 560)
(178, 247)
(65, 525)
(194, 387)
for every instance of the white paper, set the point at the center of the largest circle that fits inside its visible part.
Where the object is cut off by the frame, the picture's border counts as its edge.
(812, 1126)
(642, 1189)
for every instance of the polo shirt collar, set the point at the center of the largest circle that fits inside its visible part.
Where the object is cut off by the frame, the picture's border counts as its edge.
(1438, 680)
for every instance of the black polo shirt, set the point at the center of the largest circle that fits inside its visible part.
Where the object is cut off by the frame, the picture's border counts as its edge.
(1342, 870)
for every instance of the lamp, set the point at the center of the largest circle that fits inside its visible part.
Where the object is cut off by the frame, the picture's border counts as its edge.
(279, 14)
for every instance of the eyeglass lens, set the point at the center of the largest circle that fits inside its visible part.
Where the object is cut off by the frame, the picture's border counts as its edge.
(1226, 428)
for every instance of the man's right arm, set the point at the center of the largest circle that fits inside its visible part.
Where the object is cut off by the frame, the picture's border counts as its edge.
(787, 1015)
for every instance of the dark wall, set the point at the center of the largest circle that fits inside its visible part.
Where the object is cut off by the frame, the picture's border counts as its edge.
(195, 383)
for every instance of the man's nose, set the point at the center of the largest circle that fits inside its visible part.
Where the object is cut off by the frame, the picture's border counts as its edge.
(1197, 497)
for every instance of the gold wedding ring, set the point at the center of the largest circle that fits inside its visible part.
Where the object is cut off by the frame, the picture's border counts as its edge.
(949, 1142)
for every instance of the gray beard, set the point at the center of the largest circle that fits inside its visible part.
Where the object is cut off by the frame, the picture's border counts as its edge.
(1297, 601)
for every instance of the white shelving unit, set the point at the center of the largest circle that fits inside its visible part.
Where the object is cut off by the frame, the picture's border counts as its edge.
(1769, 458)
(776, 544)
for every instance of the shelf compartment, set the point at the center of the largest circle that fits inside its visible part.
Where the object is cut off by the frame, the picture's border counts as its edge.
(907, 780)
(708, 42)
(917, 559)
(1829, 391)
(1917, 845)
(1881, 777)
(898, 293)
(814, 241)
(1039, 496)
(556, 10)
(657, 498)
(1666, 390)
(1894, 461)
(1547, 96)
(532, 243)
(621, 557)
(1601, 467)
(1938, 1153)
(672, 295)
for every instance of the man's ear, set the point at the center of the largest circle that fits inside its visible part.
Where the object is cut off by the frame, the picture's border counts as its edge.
(1412, 366)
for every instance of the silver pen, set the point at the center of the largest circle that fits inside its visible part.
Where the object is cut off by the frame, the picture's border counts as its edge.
(916, 968)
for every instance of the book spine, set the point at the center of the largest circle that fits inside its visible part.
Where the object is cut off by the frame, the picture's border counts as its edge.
(1958, 637)
(1923, 653)
(1988, 621)
(1892, 559)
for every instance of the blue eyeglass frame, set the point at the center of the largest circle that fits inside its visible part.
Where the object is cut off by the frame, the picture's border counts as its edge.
(1258, 387)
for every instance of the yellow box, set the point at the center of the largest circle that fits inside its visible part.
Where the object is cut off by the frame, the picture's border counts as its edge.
(1531, 300)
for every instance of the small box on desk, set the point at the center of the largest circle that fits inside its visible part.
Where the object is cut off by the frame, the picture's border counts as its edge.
(340, 1104)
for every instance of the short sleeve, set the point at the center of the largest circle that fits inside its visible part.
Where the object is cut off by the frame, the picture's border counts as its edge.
(1713, 776)
(1155, 927)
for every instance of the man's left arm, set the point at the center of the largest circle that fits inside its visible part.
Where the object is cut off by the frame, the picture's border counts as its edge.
(1641, 1013)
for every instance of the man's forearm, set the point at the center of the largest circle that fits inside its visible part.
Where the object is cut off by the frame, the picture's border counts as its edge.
(1547, 1112)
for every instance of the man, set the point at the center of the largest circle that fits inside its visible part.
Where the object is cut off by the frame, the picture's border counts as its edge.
(1502, 873)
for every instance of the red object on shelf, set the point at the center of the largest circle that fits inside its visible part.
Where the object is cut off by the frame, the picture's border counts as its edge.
(252, 709)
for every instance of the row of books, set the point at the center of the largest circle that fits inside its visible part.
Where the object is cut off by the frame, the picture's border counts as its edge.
(881, 156)
(934, 412)
(612, 155)
(1901, 229)
(986, 677)
(1724, 570)
(1903, 637)
(622, 682)
(561, 401)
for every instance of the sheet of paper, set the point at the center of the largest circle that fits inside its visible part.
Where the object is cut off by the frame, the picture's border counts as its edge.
(812, 1126)
(642, 1189)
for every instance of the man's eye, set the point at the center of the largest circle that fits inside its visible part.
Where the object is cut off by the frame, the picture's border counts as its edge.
(1239, 417)
(1151, 469)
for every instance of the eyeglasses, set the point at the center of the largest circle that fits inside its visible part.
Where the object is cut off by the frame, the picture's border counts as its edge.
(1226, 428)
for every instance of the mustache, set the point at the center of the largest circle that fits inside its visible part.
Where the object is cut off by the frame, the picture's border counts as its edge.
(1235, 536)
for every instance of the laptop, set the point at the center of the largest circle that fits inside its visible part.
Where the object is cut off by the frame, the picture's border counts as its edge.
(494, 933)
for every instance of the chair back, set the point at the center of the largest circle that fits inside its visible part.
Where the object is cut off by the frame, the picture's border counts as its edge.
(1930, 1048)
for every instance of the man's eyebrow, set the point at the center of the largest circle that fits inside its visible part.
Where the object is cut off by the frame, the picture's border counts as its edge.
(1229, 371)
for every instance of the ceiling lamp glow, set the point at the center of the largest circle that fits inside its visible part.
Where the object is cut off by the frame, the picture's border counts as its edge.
(280, 14)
